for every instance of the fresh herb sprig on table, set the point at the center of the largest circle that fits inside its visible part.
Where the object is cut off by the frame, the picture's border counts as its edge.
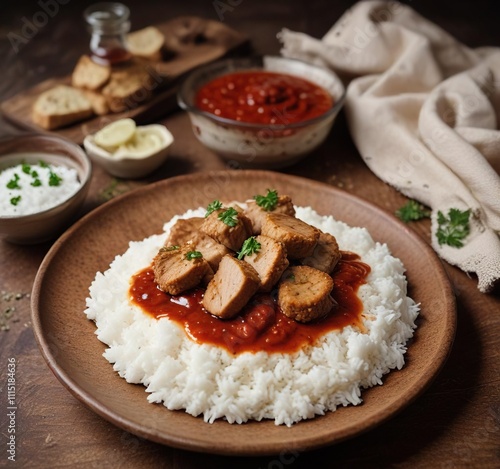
(249, 247)
(229, 217)
(412, 211)
(454, 228)
(267, 202)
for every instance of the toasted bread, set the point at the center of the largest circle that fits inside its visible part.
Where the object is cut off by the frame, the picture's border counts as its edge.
(90, 75)
(98, 102)
(60, 106)
(128, 86)
(146, 43)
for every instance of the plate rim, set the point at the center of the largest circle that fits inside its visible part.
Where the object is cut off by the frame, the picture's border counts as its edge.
(201, 446)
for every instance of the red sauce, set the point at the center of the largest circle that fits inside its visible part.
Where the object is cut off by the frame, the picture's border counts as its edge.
(261, 325)
(263, 98)
(105, 56)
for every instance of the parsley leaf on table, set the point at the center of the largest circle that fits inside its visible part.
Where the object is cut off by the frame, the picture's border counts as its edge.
(453, 228)
(412, 211)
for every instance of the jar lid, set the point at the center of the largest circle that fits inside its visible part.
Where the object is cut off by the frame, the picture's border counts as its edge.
(107, 16)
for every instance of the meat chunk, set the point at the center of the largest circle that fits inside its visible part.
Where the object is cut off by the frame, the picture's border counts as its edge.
(228, 227)
(269, 261)
(187, 231)
(233, 285)
(177, 271)
(298, 237)
(183, 231)
(304, 293)
(326, 254)
(257, 214)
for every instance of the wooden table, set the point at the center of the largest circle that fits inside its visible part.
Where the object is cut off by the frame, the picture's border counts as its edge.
(455, 423)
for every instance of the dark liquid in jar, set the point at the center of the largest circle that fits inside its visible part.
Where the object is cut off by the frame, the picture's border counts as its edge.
(113, 56)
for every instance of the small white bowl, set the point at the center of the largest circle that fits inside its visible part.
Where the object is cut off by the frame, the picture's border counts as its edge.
(47, 224)
(129, 166)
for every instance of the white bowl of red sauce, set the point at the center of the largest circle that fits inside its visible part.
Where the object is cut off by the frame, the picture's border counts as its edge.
(265, 112)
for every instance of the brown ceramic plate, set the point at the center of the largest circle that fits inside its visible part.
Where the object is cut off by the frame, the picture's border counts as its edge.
(74, 354)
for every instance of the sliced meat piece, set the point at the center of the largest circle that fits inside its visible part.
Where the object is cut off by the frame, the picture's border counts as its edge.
(304, 293)
(230, 236)
(188, 231)
(326, 254)
(269, 262)
(183, 231)
(298, 237)
(257, 215)
(212, 251)
(231, 288)
(176, 273)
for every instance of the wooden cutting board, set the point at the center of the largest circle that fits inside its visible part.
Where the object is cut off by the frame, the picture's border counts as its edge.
(189, 42)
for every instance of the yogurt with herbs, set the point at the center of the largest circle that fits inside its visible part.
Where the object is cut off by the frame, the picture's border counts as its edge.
(29, 188)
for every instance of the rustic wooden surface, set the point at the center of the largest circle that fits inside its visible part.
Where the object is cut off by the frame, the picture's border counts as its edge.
(456, 423)
(189, 43)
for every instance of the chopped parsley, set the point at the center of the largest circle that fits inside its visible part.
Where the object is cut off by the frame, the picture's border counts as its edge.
(54, 179)
(26, 168)
(36, 182)
(267, 202)
(15, 200)
(14, 182)
(250, 246)
(169, 248)
(193, 255)
(412, 211)
(229, 217)
(452, 229)
(212, 207)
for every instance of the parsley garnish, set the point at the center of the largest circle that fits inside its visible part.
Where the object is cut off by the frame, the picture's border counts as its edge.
(14, 182)
(36, 183)
(229, 217)
(54, 179)
(454, 228)
(267, 202)
(250, 246)
(15, 200)
(43, 164)
(169, 248)
(212, 207)
(26, 168)
(193, 255)
(412, 211)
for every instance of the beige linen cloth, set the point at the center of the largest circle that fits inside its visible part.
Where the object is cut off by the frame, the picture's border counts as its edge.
(424, 112)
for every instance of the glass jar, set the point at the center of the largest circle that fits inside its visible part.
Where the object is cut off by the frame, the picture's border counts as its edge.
(108, 24)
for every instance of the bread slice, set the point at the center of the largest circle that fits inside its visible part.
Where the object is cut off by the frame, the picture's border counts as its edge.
(98, 102)
(129, 86)
(90, 75)
(146, 43)
(60, 106)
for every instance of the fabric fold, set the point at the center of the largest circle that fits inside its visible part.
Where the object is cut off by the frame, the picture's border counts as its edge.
(423, 111)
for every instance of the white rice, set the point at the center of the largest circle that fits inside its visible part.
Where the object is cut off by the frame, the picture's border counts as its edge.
(29, 199)
(208, 380)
